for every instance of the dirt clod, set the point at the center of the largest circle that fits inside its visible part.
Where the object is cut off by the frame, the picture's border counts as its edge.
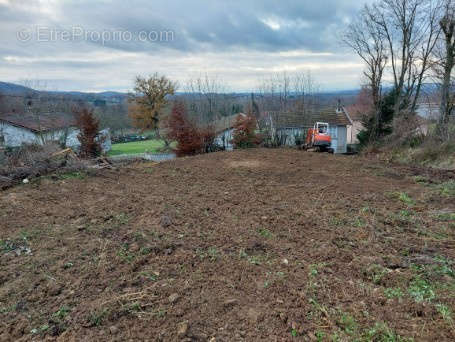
(253, 315)
(182, 329)
(173, 298)
(54, 289)
(113, 330)
(230, 302)
(165, 221)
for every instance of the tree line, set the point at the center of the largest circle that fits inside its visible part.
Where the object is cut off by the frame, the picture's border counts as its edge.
(405, 43)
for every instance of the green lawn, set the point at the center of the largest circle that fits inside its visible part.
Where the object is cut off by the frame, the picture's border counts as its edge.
(151, 146)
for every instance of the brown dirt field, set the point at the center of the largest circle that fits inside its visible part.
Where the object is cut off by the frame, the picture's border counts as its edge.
(274, 245)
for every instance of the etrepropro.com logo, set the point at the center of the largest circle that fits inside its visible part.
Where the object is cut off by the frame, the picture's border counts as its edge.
(78, 33)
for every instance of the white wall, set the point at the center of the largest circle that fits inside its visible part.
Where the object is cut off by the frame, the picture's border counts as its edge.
(106, 145)
(342, 140)
(71, 139)
(73, 142)
(16, 136)
(291, 134)
(353, 130)
(338, 135)
(224, 139)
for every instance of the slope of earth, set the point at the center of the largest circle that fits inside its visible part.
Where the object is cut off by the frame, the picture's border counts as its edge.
(250, 245)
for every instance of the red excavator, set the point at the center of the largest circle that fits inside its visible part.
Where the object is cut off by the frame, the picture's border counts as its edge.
(318, 138)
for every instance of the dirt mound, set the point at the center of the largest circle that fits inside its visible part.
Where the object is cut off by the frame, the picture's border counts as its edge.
(233, 246)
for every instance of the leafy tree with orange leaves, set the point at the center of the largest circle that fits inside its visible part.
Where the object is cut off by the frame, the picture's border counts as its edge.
(244, 135)
(191, 139)
(149, 100)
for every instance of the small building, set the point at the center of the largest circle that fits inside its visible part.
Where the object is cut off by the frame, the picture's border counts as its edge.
(291, 127)
(426, 112)
(224, 128)
(354, 129)
(28, 128)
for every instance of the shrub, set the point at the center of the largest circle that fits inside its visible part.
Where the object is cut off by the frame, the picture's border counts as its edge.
(244, 135)
(89, 135)
(30, 154)
(190, 138)
(432, 150)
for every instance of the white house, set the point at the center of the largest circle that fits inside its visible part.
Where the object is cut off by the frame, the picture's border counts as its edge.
(18, 129)
(426, 111)
(289, 127)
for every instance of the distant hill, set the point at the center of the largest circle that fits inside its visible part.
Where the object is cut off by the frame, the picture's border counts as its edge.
(11, 89)
(14, 89)
(113, 97)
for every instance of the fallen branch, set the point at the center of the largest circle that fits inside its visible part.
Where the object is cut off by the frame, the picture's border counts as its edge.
(66, 152)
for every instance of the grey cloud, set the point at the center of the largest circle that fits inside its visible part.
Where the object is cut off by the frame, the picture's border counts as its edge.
(220, 24)
(205, 34)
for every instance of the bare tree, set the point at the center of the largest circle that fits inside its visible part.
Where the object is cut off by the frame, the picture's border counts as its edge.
(284, 89)
(429, 34)
(39, 101)
(11, 103)
(115, 117)
(207, 98)
(368, 41)
(267, 91)
(276, 92)
(305, 89)
(410, 30)
(283, 92)
(444, 66)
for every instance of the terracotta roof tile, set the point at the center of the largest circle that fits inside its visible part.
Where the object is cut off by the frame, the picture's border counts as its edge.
(309, 118)
(39, 123)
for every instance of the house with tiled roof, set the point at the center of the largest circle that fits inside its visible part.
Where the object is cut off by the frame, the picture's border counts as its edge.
(17, 129)
(292, 127)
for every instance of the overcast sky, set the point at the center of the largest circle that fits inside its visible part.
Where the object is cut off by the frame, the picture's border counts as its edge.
(95, 45)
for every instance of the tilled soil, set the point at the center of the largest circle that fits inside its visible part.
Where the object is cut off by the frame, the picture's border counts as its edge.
(261, 244)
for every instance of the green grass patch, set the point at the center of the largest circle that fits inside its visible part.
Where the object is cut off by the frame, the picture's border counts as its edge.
(402, 197)
(7, 309)
(444, 266)
(447, 189)
(375, 273)
(445, 312)
(61, 313)
(124, 253)
(381, 332)
(421, 180)
(347, 323)
(265, 233)
(147, 146)
(210, 253)
(96, 318)
(394, 292)
(421, 290)
(446, 217)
